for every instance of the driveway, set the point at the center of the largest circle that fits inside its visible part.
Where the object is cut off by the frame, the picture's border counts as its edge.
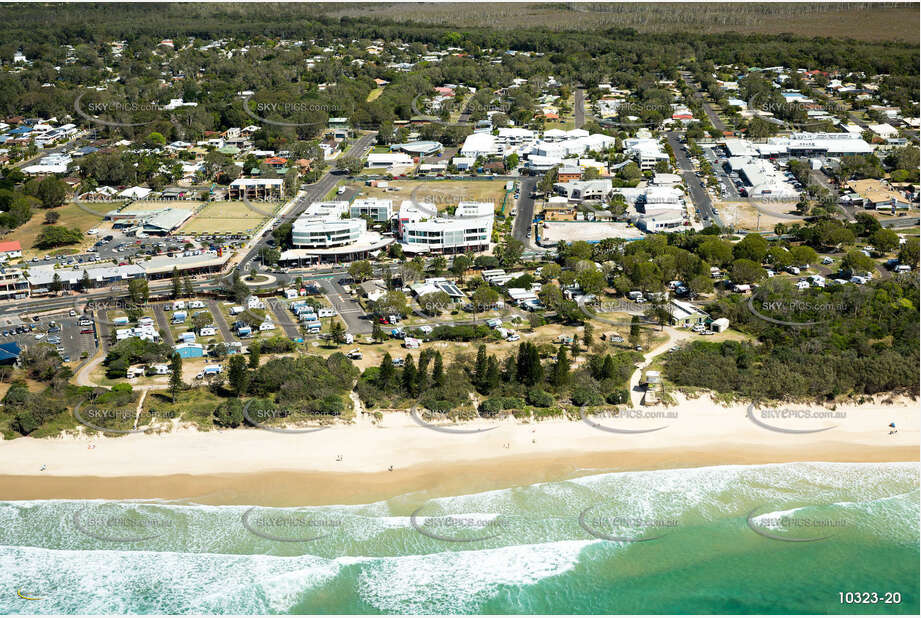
(349, 310)
(221, 323)
(674, 336)
(163, 323)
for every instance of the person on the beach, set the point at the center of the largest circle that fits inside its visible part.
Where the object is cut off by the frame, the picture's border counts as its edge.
(43, 468)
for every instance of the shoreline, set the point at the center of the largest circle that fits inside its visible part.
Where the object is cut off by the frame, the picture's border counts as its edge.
(284, 488)
(350, 463)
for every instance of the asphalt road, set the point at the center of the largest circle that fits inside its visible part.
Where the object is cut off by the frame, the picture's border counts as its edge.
(349, 310)
(714, 118)
(163, 324)
(283, 318)
(525, 217)
(579, 108)
(698, 194)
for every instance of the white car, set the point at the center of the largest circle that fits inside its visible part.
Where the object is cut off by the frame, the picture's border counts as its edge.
(39, 336)
(513, 337)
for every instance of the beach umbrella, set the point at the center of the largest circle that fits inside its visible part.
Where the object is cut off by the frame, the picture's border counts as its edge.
(892, 424)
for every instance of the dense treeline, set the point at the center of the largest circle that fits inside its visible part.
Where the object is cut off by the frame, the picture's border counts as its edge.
(279, 73)
(534, 377)
(862, 341)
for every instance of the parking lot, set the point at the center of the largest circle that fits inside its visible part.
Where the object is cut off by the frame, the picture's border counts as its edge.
(117, 247)
(62, 332)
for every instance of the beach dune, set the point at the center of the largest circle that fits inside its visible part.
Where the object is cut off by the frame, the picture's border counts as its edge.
(351, 463)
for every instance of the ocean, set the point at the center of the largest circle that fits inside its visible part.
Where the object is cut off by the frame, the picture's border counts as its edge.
(780, 538)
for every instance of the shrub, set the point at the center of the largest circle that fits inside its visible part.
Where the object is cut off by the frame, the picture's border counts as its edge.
(540, 398)
(583, 396)
(229, 414)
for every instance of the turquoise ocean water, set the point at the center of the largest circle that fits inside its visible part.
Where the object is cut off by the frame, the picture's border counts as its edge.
(729, 539)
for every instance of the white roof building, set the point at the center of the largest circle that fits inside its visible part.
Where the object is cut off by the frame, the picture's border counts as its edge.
(135, 193)
(479, 145)
(389, 159)
(322, 226)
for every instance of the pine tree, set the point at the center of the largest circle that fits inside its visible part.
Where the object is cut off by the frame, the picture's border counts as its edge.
(438, 372)
(634, 329)
(607, 368)
(575, 348)
(377, 333)
(508, 371)
(387, 373)
(237, 375)
(187, 288)
(479, 371)
(587, 335)
(492, 374)
(559, 376)
(422, 375)
(177, 283)
(535, 369)
(521, 366)
(175, 376)
(409, 375)
(254, 356)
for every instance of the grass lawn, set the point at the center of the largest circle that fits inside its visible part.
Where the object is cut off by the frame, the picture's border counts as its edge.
(229, 217)
(71, 215)
(374, 94)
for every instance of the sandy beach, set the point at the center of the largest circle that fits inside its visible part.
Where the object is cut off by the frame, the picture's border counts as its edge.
(351, 463)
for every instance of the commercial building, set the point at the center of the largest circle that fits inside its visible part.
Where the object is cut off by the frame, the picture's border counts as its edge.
(581, 190)
(320, 234)
(13, 284)
(388, 160)
(421, 230)
(662, 221)
(378, 210)
(256, 189)
(418, 149)
(645, 151)
(322, 226)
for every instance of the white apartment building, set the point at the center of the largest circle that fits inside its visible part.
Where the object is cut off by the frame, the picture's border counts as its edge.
(646, 151)
(377, 209)
(322, 226)
(469, 230)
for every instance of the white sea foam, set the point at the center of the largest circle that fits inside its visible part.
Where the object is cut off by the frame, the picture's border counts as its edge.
(459, 582)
